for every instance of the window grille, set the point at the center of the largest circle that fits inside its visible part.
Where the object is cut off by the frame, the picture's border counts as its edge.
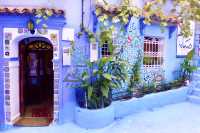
(153, 52)
(105, 50)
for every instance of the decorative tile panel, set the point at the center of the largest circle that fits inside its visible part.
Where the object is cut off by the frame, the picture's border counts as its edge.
(7, 92)
(130, 45)
(153, 75)
(56, 90)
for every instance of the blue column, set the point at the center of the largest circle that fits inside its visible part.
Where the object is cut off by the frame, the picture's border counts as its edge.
(1, 80)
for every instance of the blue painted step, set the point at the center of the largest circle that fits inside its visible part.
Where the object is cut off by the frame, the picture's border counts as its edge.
(196, 76)
(197, 71)
(194, 99)
(196, 92)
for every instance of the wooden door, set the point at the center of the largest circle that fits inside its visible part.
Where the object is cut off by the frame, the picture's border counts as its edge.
(22, 72)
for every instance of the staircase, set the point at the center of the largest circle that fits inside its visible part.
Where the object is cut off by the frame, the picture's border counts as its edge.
(194, 94)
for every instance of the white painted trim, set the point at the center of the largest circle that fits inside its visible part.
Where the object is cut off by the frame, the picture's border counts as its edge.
(15, 117)
(13, 64)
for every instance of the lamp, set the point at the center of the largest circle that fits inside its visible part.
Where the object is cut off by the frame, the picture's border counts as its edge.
(31, 26)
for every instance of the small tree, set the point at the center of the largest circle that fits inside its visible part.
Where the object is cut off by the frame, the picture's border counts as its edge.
(187, 67)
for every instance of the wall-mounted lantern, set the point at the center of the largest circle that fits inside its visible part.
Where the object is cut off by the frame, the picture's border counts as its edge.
(31, 26)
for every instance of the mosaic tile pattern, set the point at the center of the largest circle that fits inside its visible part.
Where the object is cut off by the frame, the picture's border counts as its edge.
(56, 91)
(153, 75)
(7, 41)
(131, 45)
(7, 92)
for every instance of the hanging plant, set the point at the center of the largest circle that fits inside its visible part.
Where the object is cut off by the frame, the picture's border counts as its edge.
(90, 35)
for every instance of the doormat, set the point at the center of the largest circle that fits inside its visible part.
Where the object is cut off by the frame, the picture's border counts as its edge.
(33, 121)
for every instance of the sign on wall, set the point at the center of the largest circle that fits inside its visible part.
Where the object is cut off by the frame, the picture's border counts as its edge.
(93, 52)
(66, 56)
(185, 45)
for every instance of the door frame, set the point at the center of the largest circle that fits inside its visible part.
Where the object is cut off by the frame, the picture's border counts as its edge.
(23, 50)
(12, 62)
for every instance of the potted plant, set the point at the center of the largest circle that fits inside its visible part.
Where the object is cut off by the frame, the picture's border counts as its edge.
(101, 77)
(187, 68)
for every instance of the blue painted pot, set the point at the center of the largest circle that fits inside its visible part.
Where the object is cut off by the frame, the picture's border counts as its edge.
(97, 118)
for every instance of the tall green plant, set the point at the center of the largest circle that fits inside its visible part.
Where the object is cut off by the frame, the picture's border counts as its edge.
(102, 76)
(187, 67)
(135, 73)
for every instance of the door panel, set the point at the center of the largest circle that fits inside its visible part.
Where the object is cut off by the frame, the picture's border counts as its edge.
(22, 73)
(36, 76)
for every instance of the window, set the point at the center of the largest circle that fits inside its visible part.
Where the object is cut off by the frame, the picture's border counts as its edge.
(105, 50)
(153, 52)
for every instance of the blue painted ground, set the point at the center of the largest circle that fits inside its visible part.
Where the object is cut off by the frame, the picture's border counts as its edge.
(176, 118)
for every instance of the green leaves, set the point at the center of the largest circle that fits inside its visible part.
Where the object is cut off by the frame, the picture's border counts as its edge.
(38, 21)
(101, 77)
(190, 55)
(181, 13)
(85, 76)
(107, 76)
(89, 92)
(98, 11)
(186, 66)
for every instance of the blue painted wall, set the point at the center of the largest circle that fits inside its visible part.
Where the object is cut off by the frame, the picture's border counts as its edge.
(70, 78)
(15, 21)
(73, 15)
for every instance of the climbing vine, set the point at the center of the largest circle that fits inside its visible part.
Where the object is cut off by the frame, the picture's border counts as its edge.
(180, 13)
(42, 15)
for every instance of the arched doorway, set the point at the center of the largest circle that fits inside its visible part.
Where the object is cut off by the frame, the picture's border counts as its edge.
(36, 82)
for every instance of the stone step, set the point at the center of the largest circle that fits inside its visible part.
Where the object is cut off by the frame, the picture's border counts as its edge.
(196, 92)
(194, 99)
